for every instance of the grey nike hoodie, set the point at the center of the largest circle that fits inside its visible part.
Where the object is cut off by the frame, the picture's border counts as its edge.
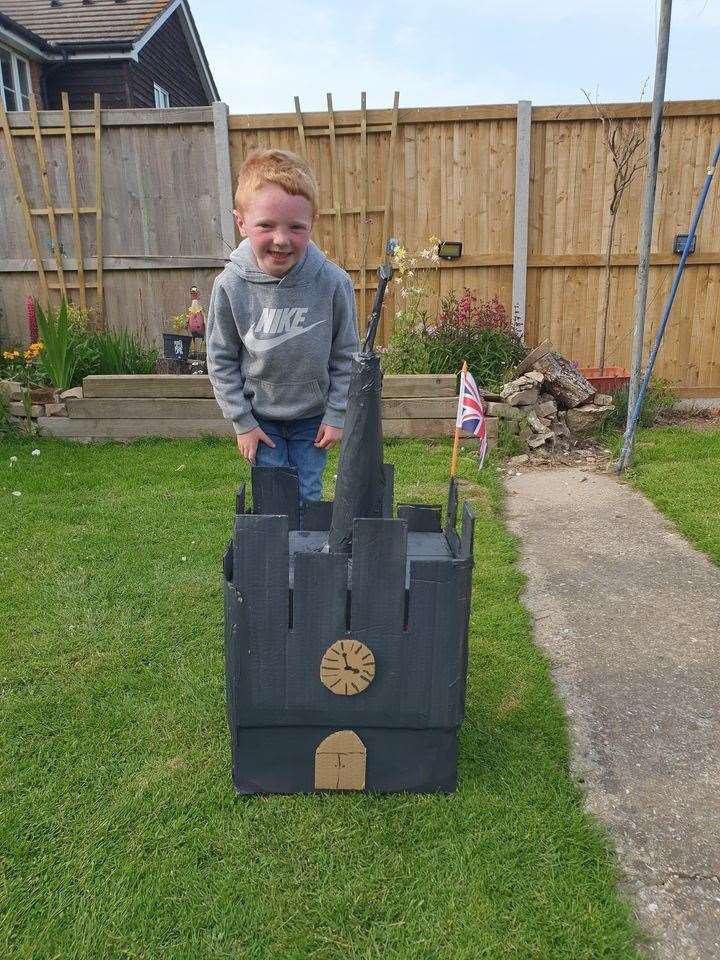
(281, 349)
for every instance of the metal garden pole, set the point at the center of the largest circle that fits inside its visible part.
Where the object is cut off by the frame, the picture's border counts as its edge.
(649, 203)
(634, 412)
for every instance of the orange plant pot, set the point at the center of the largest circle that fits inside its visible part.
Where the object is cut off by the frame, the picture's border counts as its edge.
(607, 380)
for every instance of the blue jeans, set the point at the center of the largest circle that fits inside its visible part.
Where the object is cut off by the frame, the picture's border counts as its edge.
(293, 441)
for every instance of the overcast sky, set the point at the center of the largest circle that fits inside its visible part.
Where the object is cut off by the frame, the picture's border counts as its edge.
(451, 52)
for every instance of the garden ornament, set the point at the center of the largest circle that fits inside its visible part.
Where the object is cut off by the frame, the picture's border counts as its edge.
(195, 315)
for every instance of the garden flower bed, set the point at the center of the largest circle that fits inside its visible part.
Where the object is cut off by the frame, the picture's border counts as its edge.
(127, 407)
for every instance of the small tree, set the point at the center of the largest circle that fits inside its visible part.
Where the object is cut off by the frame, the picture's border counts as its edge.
(623, 139)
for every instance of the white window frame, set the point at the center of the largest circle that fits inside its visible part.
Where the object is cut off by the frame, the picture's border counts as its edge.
(162, 97)
(17, 90)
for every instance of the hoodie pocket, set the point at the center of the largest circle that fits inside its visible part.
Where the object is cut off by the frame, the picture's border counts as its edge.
(290, 400)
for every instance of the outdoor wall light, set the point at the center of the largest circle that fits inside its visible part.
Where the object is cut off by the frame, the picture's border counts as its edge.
(449, 249)
(680, 241)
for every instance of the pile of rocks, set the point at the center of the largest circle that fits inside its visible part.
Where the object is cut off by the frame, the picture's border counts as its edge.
(25, 406)
(550, 403)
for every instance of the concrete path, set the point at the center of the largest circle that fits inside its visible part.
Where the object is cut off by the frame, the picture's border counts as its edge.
(629, 616)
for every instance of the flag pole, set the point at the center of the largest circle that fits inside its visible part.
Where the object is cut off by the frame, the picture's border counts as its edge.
(456, 441)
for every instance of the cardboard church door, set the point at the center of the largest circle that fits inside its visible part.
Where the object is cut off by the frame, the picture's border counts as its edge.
(340, 762)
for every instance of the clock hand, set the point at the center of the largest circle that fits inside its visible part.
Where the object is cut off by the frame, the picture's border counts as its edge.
(347, 665)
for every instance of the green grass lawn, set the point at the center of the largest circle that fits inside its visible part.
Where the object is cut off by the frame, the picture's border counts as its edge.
(679, 470)
(120, 833)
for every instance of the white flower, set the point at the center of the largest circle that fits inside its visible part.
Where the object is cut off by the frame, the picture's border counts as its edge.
(183, 558)
(16, 493)
(13, 459)
(35, 453)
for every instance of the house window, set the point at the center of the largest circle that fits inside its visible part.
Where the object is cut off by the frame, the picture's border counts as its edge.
(162, 97)
(15, 80)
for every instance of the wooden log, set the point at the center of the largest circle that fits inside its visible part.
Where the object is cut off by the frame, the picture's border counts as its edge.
(148, 385)
(205, 409)
(131, 429)
(424, 408)
(162, 408)
(418, 428)
(564, 381)
(540, 351)
(420, 385)
(128, 428)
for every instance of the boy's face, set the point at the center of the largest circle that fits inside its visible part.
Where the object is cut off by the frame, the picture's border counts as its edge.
(278, 226)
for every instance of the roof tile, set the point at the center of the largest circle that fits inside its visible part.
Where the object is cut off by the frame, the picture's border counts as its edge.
(76, 22)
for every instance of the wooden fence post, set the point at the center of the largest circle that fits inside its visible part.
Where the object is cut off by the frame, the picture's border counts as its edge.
(224, 176)
(520, 232)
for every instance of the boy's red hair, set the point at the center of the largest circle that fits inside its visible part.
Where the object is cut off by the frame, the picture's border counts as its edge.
(281, 167)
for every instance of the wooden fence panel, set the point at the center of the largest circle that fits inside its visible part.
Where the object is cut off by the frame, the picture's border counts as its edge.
(161, 229)
(571, 175)
(453, 175)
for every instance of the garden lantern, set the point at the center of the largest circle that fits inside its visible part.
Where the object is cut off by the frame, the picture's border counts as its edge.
(450, 249)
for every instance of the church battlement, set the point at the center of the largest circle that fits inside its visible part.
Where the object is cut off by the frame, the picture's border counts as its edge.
(329, 655)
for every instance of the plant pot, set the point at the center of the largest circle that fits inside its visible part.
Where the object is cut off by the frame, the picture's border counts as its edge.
(176, 346)
(607, 380)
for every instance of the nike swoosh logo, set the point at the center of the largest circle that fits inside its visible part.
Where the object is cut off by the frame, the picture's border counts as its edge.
(261, 346)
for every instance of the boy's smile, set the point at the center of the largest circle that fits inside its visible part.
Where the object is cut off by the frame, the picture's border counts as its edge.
(278, 225)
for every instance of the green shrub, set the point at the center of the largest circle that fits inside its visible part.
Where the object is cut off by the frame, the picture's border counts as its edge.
(660, 396)
(58, 358)
(121, 353)
(85, 352)
(466, 329)
(8, 425)
(406, 351)
(24, 365)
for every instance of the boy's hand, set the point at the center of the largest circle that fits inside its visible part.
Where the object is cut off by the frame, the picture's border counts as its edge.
(327, 436)
(247, 443)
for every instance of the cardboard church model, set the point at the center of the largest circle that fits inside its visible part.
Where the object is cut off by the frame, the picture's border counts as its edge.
(345, 626)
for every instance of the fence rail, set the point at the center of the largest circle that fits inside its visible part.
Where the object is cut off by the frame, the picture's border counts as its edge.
(165, 207)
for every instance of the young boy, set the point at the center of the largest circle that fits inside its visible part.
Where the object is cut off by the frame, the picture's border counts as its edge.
(281, 327)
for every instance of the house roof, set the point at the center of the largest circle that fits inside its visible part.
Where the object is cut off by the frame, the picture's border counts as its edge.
(84, 29)
(74, 22)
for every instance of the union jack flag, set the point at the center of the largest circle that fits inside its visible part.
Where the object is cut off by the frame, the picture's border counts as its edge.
(471, 413)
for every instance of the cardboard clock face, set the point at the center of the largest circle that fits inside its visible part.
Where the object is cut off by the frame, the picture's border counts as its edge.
(347, 667)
